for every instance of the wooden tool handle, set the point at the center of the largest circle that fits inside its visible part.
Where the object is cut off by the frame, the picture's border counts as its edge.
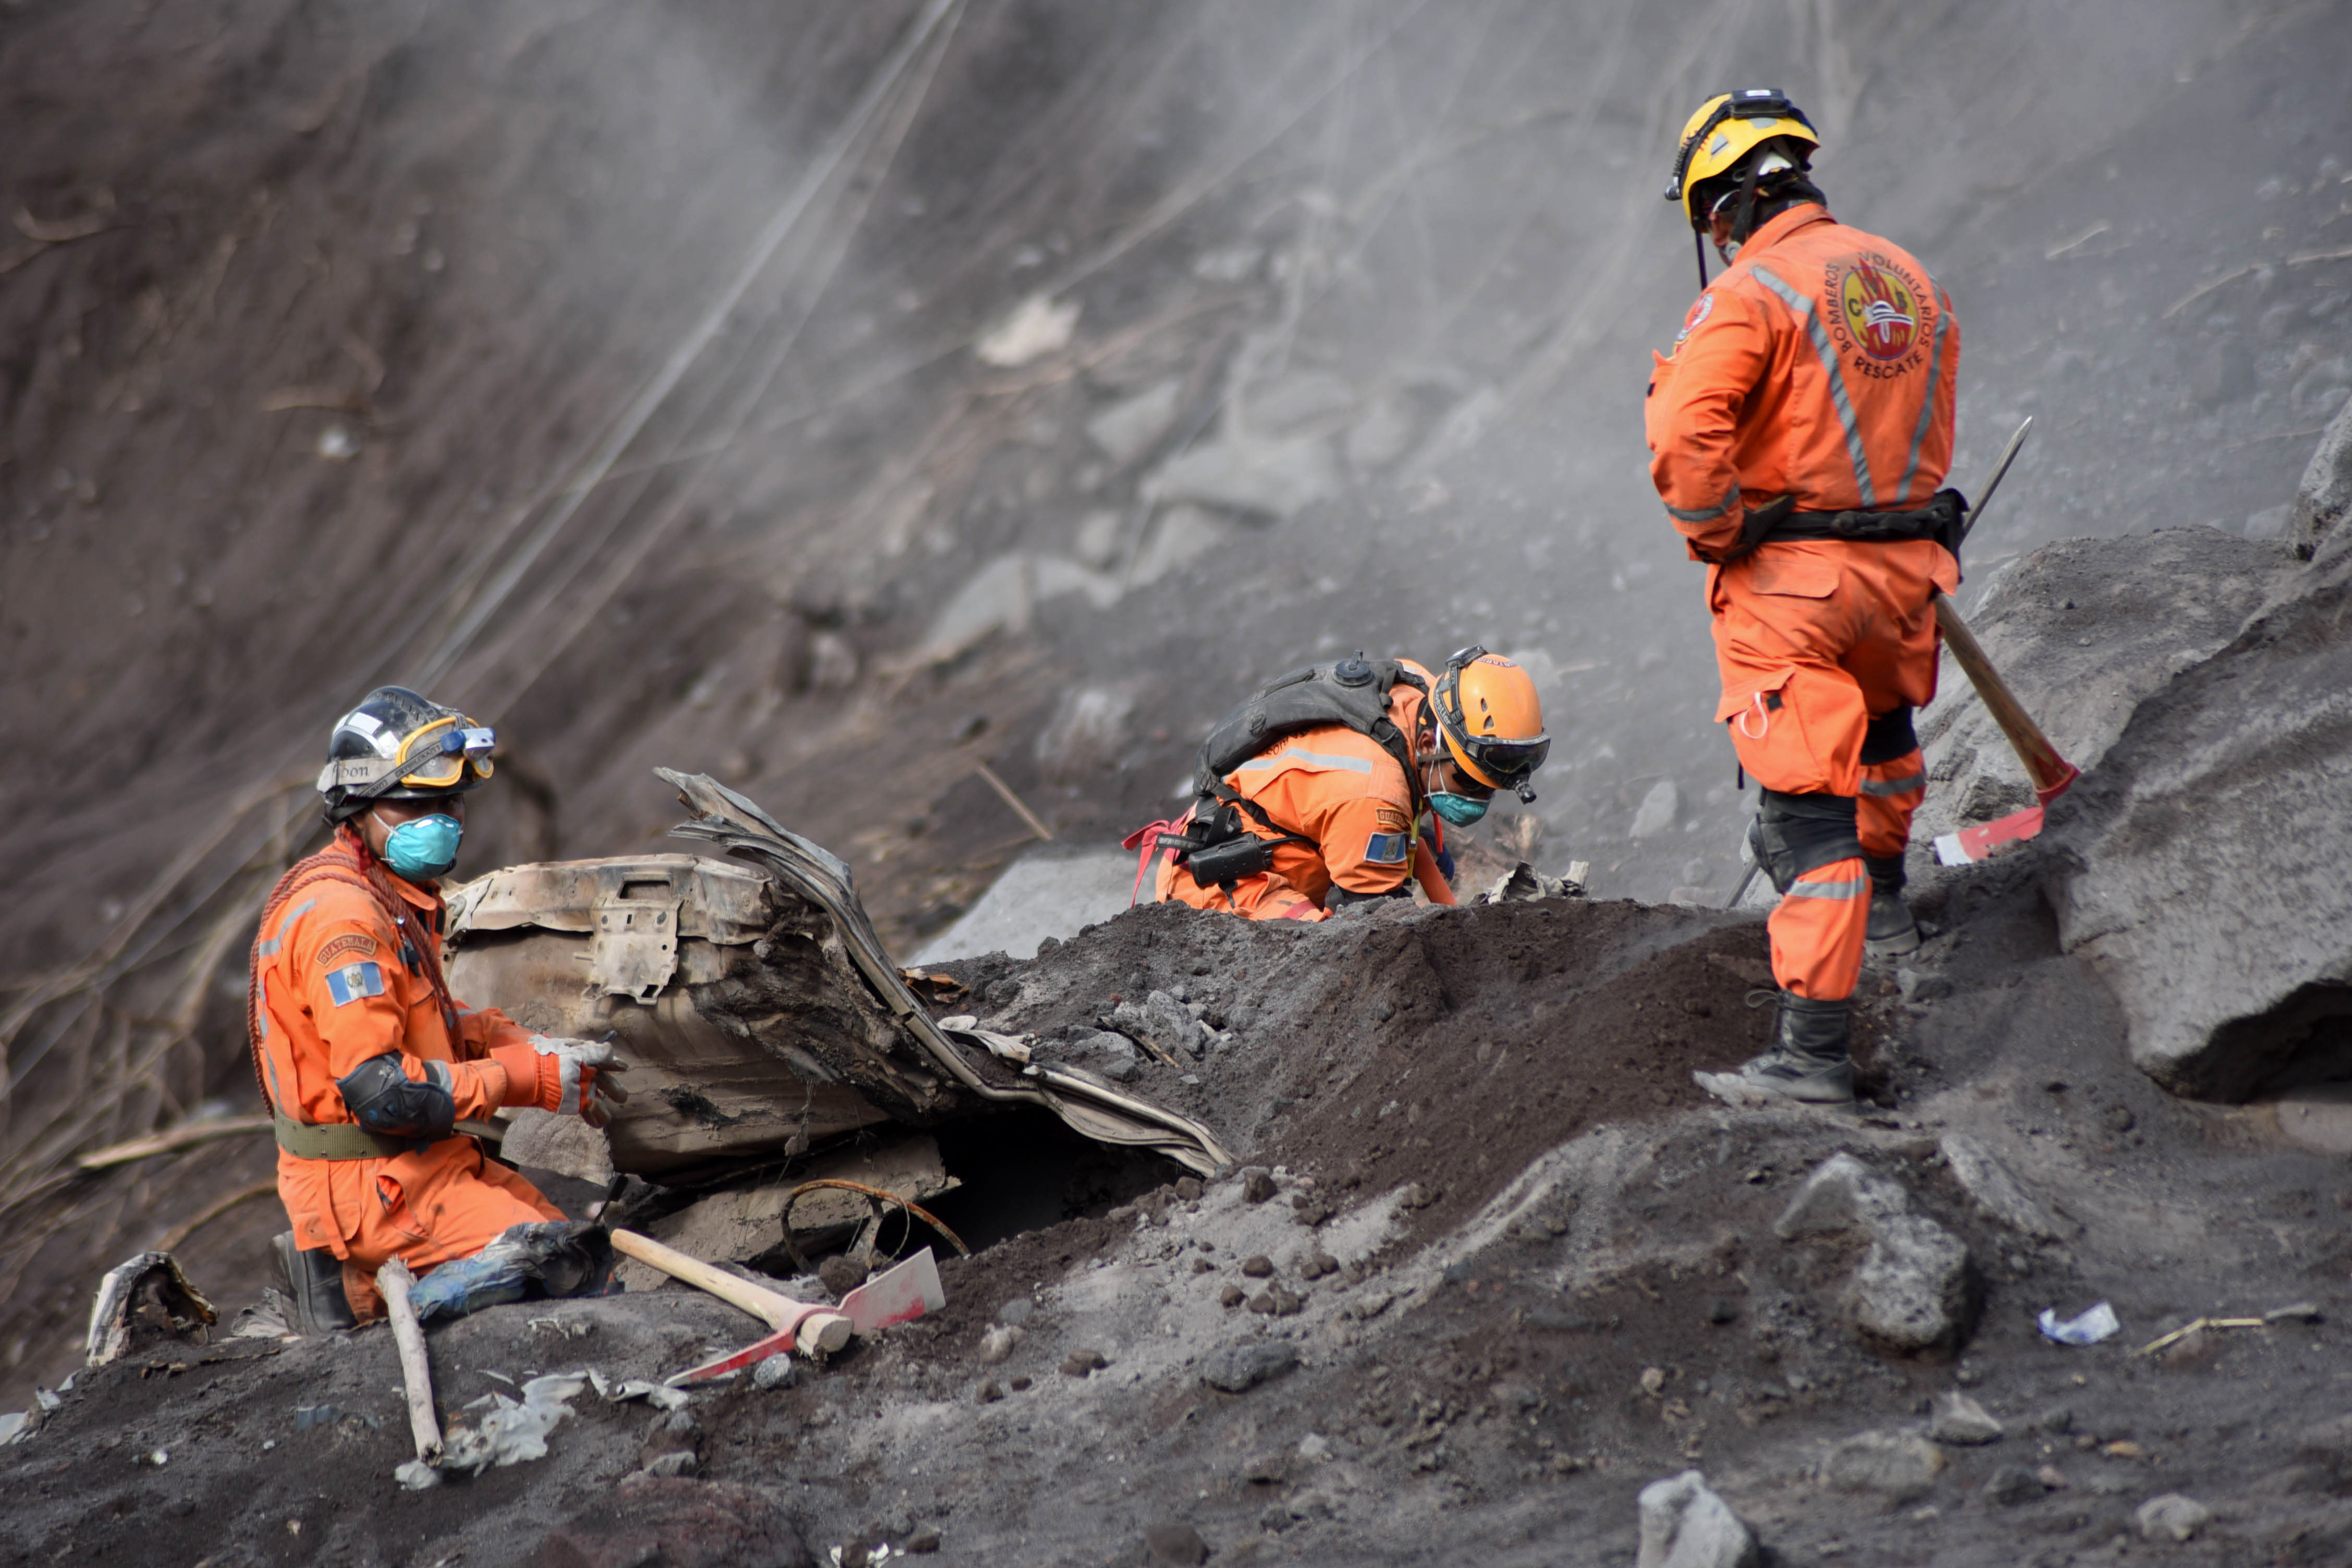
(771, 1306)
(393, 1281)
(822, 1331)
(2049, 771)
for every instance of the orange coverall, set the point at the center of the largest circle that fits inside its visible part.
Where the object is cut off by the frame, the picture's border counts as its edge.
(1823, 364)
(1338, 788)
(337, 982)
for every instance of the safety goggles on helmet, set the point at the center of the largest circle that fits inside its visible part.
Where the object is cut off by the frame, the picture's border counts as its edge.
(1747, 103)
(448, 753)
(1500, 762)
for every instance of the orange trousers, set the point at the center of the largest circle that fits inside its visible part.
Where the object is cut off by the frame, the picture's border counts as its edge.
(1814, 637)
(453, 1211)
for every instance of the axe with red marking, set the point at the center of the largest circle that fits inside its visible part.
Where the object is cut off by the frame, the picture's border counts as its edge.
(906, 1291)
(2049, 771)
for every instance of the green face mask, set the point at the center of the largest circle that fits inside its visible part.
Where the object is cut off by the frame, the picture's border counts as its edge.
(1458, 810)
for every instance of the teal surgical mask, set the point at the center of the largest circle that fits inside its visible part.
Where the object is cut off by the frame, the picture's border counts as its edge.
(424, 848)
(1458, 810)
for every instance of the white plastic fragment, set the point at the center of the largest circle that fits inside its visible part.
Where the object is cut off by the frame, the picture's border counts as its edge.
(2088, 1329)
(653, 1393)
(513, 1432)
(417, 1476)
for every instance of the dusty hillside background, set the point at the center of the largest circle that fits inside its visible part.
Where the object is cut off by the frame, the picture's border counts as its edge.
(617, 373)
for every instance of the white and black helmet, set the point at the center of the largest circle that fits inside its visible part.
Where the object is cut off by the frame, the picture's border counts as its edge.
(398, 745)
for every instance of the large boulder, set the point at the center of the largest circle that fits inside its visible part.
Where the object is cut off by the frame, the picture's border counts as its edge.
(2202, 868)
(2325, 497)
(2083, 631)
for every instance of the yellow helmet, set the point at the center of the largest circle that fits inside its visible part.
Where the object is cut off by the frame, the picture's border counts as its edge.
(1726, 128)
(1492, 719)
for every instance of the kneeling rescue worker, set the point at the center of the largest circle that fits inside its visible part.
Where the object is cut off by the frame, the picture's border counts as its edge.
(1332, 785)
(366, 1060)
(1799, 431)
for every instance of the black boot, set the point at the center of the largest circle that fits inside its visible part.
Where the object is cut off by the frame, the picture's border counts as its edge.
(314, 1284)
(1892, 931)
(1809, 1060)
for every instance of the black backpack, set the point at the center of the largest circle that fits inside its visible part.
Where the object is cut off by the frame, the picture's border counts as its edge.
(1353, 693)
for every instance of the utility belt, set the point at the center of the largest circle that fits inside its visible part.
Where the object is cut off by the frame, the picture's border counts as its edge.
(340, 1141)
(1939, 520)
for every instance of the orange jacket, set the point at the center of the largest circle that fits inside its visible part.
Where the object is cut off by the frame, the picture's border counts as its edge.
(1824, 364)
(336, 983)
(1341, 791)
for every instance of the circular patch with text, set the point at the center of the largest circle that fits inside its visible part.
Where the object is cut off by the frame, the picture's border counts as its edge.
(1879, 307)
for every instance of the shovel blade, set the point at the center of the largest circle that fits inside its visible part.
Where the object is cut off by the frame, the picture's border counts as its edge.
(1970, 845)
(907, 1292)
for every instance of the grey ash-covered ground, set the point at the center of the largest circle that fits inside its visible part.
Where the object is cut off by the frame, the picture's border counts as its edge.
(1514, 1294)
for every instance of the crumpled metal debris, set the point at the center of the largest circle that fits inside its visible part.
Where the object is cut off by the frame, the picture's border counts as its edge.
(149, 1289)
(1524, 884)
(513, 1431)
(2087, 1329)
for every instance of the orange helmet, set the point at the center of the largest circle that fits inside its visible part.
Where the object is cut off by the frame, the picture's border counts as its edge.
(1492, 719)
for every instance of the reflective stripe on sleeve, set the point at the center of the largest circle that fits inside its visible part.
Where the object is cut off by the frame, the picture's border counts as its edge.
(1802, 309)
(269, 948)
(1926, 408)
(1706, 514)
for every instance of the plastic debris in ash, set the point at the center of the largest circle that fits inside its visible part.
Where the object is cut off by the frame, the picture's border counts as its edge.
(512, 1433)
(2087, 1329)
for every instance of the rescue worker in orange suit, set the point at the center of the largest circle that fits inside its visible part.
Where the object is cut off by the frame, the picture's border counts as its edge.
(365, 1059)
(1346, 822)
(1800, 430)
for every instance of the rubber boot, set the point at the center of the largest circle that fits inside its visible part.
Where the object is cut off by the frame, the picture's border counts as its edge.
(1809, 1060)
(1892, 931)
(314, 1284)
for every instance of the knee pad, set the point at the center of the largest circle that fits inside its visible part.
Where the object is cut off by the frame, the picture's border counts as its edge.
(1794, 834)
(1889, 737)
(383, 1099)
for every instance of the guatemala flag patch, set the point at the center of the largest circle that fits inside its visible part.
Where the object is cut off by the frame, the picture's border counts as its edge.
(1386, 849)
(353, 981)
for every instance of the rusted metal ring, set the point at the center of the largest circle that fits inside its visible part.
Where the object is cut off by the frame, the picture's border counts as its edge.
(878, 1194)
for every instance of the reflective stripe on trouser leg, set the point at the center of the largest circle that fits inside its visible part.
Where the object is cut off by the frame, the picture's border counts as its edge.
(1890, 793)
(1818, 930)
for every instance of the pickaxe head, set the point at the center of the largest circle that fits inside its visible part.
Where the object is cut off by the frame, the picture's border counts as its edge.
(821, 1331)
(906, 1291)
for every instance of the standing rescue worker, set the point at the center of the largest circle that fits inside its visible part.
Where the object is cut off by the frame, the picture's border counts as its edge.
(365, 1059)
(1331, 812)
(1799, 431)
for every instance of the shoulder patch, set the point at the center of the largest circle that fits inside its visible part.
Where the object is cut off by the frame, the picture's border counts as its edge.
(1386, 849)
(359, 944)
(353, 983)
(1390, 818)
(1699, 312)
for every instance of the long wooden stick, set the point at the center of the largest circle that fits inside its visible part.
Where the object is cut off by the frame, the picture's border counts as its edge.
(185, 1136)
(174, 1238)
(393, 1279)
(814, 1326)
(1004, 792)
(2049, 771)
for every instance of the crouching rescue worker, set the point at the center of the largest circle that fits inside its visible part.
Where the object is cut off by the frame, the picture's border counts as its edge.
(366, 1060)
(1799, 431)
(1333, 785)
